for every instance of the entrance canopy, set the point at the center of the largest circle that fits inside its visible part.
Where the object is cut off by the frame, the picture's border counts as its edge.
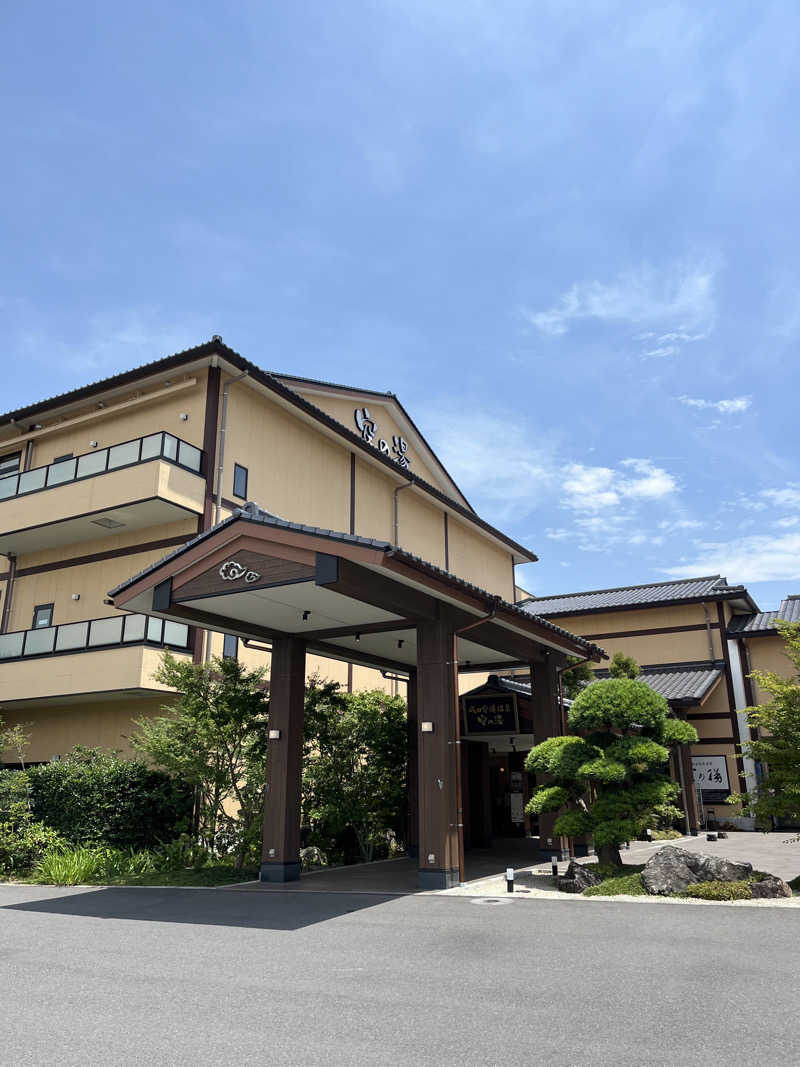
(346, 597)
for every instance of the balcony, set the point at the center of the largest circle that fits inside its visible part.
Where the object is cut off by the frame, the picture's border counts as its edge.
(149, 481)
(49, 664)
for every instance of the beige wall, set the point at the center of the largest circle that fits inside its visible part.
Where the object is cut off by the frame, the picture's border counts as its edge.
(113, 425)
(294, 470)
(768, 654)
(56, 729)
(682, 647)
(478, 560)
(342, 409)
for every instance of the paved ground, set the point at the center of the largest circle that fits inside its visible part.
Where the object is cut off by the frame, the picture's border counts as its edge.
(160, 976)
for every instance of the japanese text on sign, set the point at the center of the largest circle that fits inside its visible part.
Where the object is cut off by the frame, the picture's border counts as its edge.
(368, 428)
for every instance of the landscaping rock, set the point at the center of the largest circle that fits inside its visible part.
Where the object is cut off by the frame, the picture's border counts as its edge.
(771, 886)
(577, 878)
(668, 872)
(672, 869)
(718, 869)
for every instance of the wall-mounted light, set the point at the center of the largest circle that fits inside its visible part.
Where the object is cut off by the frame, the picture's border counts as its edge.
(431, 857)
(426, 727)
(93, 444)
(76, 596)
(184, 417)
(400, 643)
(101, 403)
(306, 616)
(358, 637)
(274, 735)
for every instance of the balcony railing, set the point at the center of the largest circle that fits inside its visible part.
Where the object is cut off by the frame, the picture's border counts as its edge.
(113, 632)
(141, 450)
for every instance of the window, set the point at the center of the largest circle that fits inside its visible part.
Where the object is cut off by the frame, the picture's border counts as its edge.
(230, 646)
(9, 464)
(240, 481)
(42, 616)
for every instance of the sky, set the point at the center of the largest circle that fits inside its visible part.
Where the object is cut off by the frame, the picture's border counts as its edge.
(564, 233)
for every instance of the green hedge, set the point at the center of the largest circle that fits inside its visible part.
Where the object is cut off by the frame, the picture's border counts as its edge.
(96, 798)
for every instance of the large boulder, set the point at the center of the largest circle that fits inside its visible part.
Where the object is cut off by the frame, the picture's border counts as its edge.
(770, 886)
(576, 878)
(668, 873)
(718, 869)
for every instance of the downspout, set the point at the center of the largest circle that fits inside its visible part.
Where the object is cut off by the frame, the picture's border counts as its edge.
(398, 490)
(560, 671)
(222, 428)
(711, 655)
(6, 613)
(220, 470)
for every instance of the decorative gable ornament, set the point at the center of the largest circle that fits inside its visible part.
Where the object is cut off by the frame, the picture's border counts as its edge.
(231, 571)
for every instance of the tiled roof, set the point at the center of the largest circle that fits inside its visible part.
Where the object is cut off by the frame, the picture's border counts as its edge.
(682, 685)
(712, 587)
(763, 622)
(251, 512)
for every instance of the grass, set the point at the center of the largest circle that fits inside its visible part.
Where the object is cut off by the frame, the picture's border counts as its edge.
(617, 881)
(205, 876)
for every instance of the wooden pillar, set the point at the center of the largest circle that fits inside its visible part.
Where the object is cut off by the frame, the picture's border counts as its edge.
(439, 803)
(280, 856)
(412, 771)
(686, 778)
(547, 722)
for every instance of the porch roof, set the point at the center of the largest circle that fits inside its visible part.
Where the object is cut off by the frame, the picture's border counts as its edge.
(348, 597)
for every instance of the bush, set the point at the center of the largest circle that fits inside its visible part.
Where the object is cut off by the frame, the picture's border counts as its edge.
(666, 835)
(65, 865)
(93, 797)
(23, 840)
(616, 880)
(719, 890)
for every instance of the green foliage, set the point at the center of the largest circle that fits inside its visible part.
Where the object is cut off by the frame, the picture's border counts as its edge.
(678, 732)
(629, 885)
(548, 798)
(778, 744)
(719, 890)
(666, 835)
(623, 666)
(619, 703)
(23, 839)
(663, 817)
(354, 769)
(610, 780)
(214, 737)
(575, 678)
(64, 864)
(95, 797)
(15, 739)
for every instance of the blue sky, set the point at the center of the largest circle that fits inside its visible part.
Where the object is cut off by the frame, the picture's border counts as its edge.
(565, 234)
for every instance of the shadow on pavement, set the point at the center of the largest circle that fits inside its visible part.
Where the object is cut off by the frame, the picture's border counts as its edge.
(203, 907)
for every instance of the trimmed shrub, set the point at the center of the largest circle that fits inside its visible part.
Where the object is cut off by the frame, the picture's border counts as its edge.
(719, 890)
(93, 797)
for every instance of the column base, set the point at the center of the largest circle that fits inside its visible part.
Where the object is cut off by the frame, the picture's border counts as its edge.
(428, 878)
(279, 872)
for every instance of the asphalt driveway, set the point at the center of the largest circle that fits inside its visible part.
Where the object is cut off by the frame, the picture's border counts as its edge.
(172, 976)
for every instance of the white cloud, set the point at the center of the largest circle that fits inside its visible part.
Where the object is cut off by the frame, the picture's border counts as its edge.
(789, 521)
(757, 558)
(788, 497)
(596, 488)
(724, 407)
(680, 297)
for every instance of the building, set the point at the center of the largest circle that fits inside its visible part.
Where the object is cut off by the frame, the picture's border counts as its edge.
(696, 640)
(99, 482)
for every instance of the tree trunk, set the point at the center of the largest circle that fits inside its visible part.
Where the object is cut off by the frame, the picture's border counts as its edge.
(609, 854)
